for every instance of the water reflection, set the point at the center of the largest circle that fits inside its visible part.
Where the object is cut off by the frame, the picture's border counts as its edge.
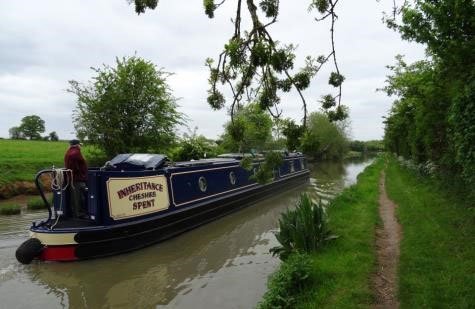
(222, 264)
(330, 178)
(191, 261)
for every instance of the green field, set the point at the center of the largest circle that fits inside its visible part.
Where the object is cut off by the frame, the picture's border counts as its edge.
(20, 160)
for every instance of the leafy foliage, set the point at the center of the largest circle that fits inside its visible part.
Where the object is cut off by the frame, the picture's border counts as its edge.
(366, 146)
(142, 5)
(265, 172)
(257, 68)
(324, 139)
(16, 133)
(433, 116)
(30, 127)
(53, 136)
(462, 124)
(126, 108)
(194, 146)
(303, 229)
(251, 130)
(293, 277)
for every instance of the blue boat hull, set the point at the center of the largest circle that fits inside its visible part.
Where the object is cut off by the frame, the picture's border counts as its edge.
(92, 244)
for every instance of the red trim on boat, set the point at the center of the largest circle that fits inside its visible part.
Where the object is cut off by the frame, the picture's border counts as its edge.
(59, 253)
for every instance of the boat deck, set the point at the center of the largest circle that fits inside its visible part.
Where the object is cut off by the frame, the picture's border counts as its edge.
(67, 222)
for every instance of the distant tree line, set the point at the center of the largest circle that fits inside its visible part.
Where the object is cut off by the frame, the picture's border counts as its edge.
(433, 118)
(367, 146)
(31, 128)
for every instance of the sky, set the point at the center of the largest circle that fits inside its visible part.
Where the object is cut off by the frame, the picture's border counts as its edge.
(44, 44)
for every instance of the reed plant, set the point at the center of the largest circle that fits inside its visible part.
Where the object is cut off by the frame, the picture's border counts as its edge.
(303, 229)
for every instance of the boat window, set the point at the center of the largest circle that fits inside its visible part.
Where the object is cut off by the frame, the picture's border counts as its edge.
(302, 165)
(292, 167)
(232, 178)
(202, 184)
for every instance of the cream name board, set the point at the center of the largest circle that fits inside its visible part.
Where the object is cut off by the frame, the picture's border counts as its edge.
(137, 196)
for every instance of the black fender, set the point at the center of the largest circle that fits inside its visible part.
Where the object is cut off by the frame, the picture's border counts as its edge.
(29, 250)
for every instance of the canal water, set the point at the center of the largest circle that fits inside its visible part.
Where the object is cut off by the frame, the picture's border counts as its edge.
(223, 264)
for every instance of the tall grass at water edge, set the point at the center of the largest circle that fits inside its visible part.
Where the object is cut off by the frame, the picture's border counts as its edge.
(9, 209)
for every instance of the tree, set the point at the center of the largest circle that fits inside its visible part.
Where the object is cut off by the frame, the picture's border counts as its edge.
(324, 140)
(194, 146)
(126, 108)
(53, 136)
(32, 126)
(16, 133)
(256, 68)
(433, 117)
(293, 133)
(250, 130)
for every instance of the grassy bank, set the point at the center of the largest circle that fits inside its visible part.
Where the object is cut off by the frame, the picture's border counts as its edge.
(9, 209)
(341, 271)
(437, 263)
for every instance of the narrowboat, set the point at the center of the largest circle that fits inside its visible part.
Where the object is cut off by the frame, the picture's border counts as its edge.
(136, 200)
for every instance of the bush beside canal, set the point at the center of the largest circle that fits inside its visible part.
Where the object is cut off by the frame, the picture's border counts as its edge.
(437, 260)
(340, 270)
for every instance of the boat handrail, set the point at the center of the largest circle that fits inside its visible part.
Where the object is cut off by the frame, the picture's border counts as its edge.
(40, 189)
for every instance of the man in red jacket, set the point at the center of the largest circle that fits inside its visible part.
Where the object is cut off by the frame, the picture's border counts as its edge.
(74, 161)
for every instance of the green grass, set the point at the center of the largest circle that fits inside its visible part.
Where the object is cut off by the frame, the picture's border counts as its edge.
(342, 269)
(437, 263)
(20, 160)
(9, 209)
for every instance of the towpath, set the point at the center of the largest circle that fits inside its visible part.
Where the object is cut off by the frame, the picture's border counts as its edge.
(388, 237)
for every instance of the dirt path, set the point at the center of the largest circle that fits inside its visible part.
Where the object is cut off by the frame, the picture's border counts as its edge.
(388, 237)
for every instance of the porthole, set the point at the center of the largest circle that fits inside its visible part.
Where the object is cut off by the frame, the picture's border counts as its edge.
(202, 184)
(232, 178)
(292, 167)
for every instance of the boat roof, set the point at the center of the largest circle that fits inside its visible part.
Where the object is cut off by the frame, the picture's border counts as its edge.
(205, 161)
(138, 161)
(238, 156)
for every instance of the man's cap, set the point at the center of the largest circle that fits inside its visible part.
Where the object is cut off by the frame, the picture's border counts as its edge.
(74, 142)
